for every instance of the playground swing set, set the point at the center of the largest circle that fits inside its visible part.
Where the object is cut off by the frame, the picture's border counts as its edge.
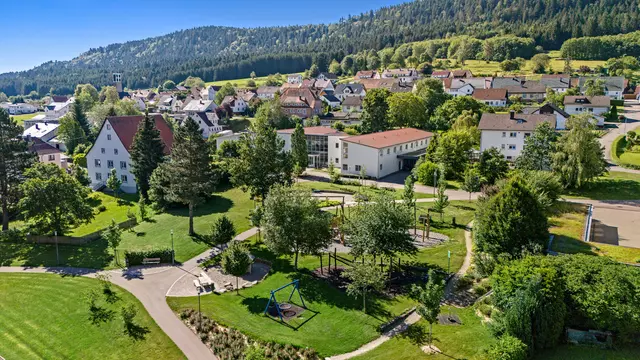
(281, 308)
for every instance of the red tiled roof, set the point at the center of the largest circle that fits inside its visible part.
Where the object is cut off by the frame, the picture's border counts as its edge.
(127, 126)
(42, 148)
(315, 130)
(389, 138)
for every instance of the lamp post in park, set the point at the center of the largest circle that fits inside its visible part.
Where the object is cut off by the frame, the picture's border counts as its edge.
(55, 234)
(173, 253)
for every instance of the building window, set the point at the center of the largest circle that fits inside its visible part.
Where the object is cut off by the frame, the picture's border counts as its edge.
(108, 136)
(527, 135)
(110, 164)
(108, 127)
(358, 167)
(123, 164)
(124, 178)
(115, 151)
(509, 157)
(103, 150)
(380, 166)
(97, 163)
(345, 167)
(502, 146)
(337, 161)
(98, 176)
(52, 157)
(337, 146)
(380, 153)
(513, 134)
(512, 147)
(394, 149)
(388, 151)
(504, 134)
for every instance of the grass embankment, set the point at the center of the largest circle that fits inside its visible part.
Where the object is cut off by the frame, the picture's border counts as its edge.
(567, 224)
(615, 185)
(243, 82)
(45, 316)
(489, 68)
(21, 118)
(152, 234)
(622, 157)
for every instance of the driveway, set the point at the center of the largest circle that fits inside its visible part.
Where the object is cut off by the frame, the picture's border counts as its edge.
(615, 222)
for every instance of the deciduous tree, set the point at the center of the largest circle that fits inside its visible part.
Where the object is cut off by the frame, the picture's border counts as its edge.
(113, 236)
(375, 109)
(364, 278)
(113, 182)
(299, 147)
(235, 261)
(429, 298)
(492, 165)
(538, 149)
(222, 231)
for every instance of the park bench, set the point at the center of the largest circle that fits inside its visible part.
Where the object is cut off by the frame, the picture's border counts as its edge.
(204, 279)
(150, 261)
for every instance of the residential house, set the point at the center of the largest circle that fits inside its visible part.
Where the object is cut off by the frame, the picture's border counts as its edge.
(465, 87)
(352, 104)
(302, 102)
(208, 122)
(267, 92)
(613, 85)
(461, 74)
(378, 84)
(209, 92)
(550, 109)
(47, 153)
(401, 86)
(367, 74)
(331, 99)
(166, 102)
(559, 83)
(198, 106)
(491, 97)
(383, 153)
(441, 74)
(323, 144)
(594, 105)
(57, 108)
(343, 91)
(20, 108)
(43, 131)
(404, 75)
(328, 76)
(294, 79)
(112, 145)
(507, 132)
(527, 90)
(236, 102)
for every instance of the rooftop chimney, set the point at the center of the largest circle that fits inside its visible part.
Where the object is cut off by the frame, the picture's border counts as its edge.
(512, 114)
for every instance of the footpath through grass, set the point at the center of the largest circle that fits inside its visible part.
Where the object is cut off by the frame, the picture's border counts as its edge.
(45, 316)
(466, 341)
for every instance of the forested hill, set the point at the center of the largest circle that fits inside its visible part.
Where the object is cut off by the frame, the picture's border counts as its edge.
(216, 53)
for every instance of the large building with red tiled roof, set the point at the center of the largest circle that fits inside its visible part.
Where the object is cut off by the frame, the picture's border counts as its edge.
(383, 153)
(112, 145)
(302, 102)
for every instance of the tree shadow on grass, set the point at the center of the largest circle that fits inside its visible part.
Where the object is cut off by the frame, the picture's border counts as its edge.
(217, 204)
(94, 255)
(416, 334)
(136, 332)
(601, 189)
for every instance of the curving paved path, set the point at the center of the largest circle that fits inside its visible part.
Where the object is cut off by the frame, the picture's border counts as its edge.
(632, 112)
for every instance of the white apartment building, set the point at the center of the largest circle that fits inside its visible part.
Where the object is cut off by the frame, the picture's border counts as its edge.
(111, 149)
(323, 145)
(594, 105)
(294, 79)
(507, 132)
(384, 153)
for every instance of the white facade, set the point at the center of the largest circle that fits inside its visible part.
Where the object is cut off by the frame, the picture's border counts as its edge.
(596, 111)
(56, 110)
(378, 162)
(208, 93)
(509, 143)
(20, 108)
(494, 102)
(294, 79)
(464, 90)
(333, 148)
(108, 152)
(614, 95)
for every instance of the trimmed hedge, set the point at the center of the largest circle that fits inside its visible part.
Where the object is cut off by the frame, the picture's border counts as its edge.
(135, 257)
(615, 102)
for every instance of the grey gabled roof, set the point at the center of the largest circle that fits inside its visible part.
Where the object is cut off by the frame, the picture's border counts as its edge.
(355, 88)
(546, 108)
(519, 122)
(611, 83)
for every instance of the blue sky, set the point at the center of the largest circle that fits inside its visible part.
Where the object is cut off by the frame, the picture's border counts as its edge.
(36, 31)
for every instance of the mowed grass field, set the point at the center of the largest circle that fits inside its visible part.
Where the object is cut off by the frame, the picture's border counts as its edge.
(260, 80)
(622, 157)
(481, 67)
(45, 316)
(615, 185)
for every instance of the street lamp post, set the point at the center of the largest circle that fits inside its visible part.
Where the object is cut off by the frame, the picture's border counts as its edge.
(435, 174)
(173, 253)
(199, 312)
(55, 234)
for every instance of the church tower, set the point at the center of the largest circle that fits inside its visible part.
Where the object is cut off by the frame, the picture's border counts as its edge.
(117, 81)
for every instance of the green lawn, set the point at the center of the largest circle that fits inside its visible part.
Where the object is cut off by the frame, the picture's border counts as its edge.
(613, 186)
(466, 341)
(567, 224)
(155, 233)
(21, 118)
(238, 124)
(481, 67)
(45, 316)
(352, 189)
(571, 352)
(333, 324)
(115, 210)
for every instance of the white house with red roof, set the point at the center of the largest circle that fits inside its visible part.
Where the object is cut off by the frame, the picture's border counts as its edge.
(112, 145)
(383, 153)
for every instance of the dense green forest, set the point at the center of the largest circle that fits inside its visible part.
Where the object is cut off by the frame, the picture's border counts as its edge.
(218, 53)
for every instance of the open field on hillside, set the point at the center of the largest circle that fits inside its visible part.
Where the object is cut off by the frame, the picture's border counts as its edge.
(21, 118)
(46, 316)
